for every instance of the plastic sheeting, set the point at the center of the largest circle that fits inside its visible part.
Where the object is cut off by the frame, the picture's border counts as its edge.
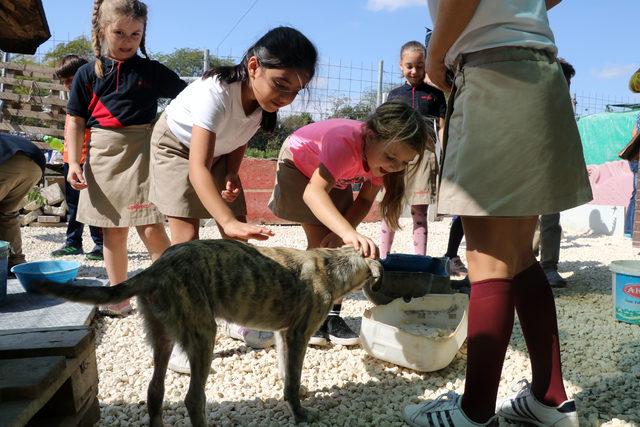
(605, 134)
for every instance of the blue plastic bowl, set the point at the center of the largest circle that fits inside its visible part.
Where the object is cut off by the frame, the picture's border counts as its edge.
(51, 271)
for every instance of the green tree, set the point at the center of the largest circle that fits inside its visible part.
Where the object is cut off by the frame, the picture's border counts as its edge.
(188, 62)
(360, 111)
(80, 46)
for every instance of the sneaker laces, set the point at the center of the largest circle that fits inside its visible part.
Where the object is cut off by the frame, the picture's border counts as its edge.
(446, 400)
(522, 388)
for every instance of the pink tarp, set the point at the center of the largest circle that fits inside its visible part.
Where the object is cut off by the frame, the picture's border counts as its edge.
(611, 183)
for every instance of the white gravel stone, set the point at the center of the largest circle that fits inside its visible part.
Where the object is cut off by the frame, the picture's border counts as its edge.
(601, 357)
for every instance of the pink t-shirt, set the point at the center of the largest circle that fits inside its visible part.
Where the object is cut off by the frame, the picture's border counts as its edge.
(336, 143)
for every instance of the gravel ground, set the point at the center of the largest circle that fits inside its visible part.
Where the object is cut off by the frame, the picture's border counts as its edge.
(601, 356)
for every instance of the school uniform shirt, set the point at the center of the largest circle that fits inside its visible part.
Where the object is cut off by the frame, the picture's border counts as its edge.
(10, 145)
(126, 95)
(498, 23)
(427, 100)
(217, 107)
(336, 143)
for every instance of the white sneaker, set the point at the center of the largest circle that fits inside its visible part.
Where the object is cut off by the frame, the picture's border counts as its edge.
(179, 362)
(457, 267)
(525, 407)
(445, 411)
(251, 337)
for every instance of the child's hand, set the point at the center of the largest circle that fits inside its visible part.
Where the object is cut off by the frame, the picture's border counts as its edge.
(362, 244)
(75, 176)
(232, 188)
(436, 72)
(244, 231)
(331, 240)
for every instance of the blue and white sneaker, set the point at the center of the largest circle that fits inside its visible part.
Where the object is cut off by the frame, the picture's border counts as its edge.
(445, 411)
(524, 407)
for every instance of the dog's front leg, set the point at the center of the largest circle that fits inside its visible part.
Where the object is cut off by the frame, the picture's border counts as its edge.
(296, 341)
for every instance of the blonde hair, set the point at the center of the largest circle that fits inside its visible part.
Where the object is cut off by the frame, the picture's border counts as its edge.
(398, 123)
(107, 11)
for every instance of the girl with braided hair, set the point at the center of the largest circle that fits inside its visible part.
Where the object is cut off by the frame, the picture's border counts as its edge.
(116, 97)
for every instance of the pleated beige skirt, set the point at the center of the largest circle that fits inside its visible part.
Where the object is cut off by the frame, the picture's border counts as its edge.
(117, 175)
(512, 146)
(171, 191)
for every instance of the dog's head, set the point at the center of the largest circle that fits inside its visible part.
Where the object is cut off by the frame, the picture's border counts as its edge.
(350, 270)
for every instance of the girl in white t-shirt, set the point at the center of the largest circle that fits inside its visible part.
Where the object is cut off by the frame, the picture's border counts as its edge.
(512, 152)
(199, 142)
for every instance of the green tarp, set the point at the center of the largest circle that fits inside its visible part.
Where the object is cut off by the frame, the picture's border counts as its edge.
(605, 134)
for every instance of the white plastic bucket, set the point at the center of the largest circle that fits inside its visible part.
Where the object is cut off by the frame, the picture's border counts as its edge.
(626, 290)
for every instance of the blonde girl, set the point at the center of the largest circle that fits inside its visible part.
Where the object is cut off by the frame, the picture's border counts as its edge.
(116, 97)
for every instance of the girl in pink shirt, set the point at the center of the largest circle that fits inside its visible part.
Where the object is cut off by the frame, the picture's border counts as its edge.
(319, 163)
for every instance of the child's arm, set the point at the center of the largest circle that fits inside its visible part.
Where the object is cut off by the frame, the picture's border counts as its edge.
(316, 196)
(232, 186)
(453, 17)
(356, 213)
(200, 161)
(74, 136)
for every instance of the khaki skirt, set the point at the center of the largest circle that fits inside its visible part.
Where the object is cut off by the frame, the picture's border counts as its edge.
(420, 182)
(171, 191)
(117, 175)
(512, 146)
(286, 200)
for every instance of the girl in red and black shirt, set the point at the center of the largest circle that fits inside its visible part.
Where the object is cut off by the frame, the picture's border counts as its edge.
(116, 96)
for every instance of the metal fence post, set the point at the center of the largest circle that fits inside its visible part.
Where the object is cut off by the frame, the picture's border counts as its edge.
(379, 92)
(205, 61)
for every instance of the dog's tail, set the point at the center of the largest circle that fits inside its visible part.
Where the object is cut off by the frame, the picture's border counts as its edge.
(92, 294)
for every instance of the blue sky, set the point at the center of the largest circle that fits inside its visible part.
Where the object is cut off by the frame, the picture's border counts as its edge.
(596, 37)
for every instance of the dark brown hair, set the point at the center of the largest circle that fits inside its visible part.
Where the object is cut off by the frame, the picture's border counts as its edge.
(69, 65)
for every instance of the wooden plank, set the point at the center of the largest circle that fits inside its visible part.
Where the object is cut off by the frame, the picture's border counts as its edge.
(27, 83)
(56, 116)
(68, 342)
(25, 378)
(17, 66)
(33, 99)
(31, 129)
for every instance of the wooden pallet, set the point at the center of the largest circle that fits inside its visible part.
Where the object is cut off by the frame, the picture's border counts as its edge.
(48, 377)
(33, 101)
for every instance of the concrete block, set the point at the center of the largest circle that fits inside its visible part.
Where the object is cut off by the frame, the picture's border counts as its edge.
(53, 193)
(49, 218)
(30, 217)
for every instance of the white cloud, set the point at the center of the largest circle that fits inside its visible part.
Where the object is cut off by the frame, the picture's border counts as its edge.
(614, 71)
(391, 5)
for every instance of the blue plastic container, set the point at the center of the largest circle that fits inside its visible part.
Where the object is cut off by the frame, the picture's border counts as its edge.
(416, 263)
(51, 271)
(626, 290)
(409, 276)
(4, 268)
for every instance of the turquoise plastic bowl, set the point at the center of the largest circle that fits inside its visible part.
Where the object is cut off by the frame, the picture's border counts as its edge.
(51, 271)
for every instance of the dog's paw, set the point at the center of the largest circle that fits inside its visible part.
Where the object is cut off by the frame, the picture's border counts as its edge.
(306, 415)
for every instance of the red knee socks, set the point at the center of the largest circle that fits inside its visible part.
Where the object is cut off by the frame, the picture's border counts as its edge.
(489, 330)
(536, 310)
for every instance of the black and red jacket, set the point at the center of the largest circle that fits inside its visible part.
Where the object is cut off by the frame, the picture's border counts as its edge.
(427, 100)
(126, 95)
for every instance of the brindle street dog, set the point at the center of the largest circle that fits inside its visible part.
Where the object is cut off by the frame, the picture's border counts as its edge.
(285, 290)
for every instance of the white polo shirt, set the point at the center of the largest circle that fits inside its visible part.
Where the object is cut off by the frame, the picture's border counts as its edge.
(217, 107)
(499, 23)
